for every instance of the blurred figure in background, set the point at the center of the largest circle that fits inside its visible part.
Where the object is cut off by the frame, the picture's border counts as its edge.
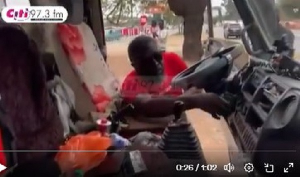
(154, 29)
(289, 35)
(162, 36)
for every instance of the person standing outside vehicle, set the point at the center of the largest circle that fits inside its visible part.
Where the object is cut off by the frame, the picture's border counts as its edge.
(154, 29)
(162, 36)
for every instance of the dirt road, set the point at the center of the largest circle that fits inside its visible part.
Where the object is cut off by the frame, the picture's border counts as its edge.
(210, 131)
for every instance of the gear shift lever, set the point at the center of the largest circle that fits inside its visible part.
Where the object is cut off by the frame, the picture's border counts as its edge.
(179, 108)
(180, 135)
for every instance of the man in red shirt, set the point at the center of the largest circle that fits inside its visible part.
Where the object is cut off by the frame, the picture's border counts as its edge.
(149, 83)
(153, 70)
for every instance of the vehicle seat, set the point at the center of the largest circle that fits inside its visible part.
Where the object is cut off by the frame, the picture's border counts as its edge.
(93, 84)
(80, 62)
(62, 95)
(88, 64)
(64, 99)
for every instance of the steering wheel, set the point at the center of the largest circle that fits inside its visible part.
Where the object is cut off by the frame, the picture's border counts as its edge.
(209, 71)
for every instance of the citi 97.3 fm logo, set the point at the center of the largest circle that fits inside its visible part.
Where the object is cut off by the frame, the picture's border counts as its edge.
(34, 14)
(19, 15)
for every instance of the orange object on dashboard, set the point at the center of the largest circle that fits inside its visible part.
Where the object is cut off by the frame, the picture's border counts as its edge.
(83, 152)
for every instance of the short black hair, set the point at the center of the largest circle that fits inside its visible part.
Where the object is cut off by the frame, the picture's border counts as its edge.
(142, 47)
(153, 23)
(161, 24)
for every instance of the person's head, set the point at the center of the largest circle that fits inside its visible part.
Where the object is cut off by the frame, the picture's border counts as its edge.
(24, 95)
(153, 23)
(146, 58)
(161, 25)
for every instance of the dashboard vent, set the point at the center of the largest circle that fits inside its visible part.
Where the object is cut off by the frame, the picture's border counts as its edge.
(252, 84)
(266, 97)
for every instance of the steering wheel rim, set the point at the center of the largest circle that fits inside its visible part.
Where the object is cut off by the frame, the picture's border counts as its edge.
(215, 64)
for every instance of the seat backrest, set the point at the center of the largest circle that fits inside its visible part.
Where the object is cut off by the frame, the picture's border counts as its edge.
(87, 62)
(84, 104)
(91, 80)
(48, 41)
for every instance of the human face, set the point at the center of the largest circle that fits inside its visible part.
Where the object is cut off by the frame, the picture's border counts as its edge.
(149, 67)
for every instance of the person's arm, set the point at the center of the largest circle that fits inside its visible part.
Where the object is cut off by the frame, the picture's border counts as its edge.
(163, 106)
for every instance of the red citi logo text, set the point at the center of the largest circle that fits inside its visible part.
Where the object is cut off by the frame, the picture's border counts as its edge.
(18, 14)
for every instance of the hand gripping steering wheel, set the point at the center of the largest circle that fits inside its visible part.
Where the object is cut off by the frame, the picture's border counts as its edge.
(209, 71)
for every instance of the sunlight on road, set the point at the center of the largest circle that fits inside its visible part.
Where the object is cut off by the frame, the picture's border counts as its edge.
(297, 56)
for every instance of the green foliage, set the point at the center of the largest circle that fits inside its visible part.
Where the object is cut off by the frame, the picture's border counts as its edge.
(119, 12)
(168, 15)
(231, 11)
(219, 17)
(171, 18)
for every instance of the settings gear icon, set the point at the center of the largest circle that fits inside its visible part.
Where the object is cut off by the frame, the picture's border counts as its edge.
(249, 167)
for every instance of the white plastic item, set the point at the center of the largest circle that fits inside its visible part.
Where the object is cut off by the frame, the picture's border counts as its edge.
(104, 125)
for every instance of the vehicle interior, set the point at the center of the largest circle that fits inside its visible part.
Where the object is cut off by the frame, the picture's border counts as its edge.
(75, 53)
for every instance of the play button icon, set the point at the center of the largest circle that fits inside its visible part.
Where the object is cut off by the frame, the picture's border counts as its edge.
(2, 167)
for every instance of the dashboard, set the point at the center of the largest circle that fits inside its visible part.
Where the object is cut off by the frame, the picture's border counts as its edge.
(266, 123)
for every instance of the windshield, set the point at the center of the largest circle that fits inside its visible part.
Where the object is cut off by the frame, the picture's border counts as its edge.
(269, 20)
(289, 14)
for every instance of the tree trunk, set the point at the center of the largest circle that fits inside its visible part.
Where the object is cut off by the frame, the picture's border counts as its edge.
(120, 12)
(192, 45)
(193, 13)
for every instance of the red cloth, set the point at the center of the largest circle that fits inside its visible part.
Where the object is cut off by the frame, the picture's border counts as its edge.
(2, 154)
(132, 85)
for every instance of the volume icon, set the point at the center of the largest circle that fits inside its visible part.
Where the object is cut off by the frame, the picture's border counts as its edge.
(229, 167)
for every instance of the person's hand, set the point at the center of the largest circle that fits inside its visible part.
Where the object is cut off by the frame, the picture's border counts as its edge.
(141, 98)
(213, 104)
(139, 101)
(193, 90)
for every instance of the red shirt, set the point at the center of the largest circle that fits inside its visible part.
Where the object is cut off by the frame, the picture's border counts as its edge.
(132, 85)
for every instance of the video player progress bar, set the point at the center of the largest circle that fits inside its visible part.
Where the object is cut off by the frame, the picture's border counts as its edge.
(38, 150)
(46, 19)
